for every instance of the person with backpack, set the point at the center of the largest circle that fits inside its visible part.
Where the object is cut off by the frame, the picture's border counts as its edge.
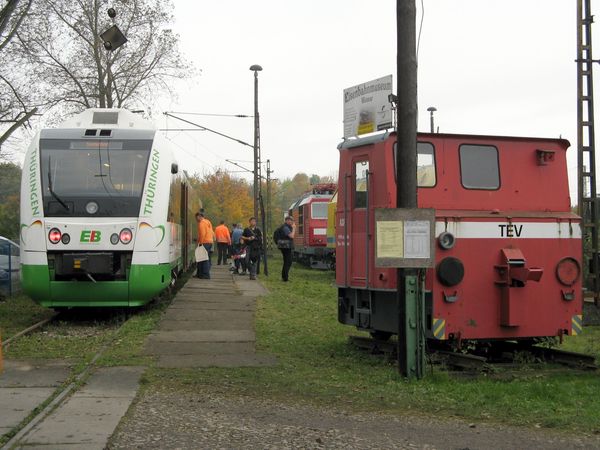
(284, 239)
(252, 237)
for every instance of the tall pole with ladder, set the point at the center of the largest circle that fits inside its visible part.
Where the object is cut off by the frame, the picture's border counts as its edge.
(586, 154)
(256, 68)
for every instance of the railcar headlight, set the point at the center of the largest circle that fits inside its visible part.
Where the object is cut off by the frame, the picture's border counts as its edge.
(568, 271)
(114, 239)
(446, 240)
(125, 235)
(91, 207)
(450, 271)
(65, 238)
(54, 235)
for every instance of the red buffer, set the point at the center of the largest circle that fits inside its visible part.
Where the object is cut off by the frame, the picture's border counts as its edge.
(508, 258)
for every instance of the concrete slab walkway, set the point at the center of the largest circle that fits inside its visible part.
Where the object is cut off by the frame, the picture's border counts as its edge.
(210, 323)
(24, 385)
(88, 418)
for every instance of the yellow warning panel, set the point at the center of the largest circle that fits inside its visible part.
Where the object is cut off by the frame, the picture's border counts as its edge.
(576, 324)
(439, 328)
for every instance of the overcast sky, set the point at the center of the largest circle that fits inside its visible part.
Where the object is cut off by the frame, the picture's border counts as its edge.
(489, 67)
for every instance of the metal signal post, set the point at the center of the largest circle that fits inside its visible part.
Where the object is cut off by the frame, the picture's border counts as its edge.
(586, 154)
(256, 68)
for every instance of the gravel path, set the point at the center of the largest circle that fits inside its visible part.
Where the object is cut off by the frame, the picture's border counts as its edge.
(171, 420)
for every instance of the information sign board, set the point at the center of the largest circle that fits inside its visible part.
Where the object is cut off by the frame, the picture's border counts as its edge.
(404, 237)
(367, 107)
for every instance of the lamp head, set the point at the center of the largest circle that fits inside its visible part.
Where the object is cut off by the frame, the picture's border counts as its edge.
(256, 68)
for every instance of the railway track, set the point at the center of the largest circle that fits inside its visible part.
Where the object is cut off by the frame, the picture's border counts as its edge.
(63, 392)
(504, 358)
(6, 343)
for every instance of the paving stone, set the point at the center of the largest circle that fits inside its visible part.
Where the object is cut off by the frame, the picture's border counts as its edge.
(18, 403)
(239, 360)
(89, 417)
(200, 348)
(203, 336)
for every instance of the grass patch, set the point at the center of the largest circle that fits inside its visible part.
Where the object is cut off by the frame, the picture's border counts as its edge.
(18, 313)
(82, 332)
(297, 322)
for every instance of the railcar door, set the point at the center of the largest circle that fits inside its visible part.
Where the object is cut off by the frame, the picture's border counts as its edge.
(359, 222)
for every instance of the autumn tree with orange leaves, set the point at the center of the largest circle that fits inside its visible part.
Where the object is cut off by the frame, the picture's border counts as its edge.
(224, 197)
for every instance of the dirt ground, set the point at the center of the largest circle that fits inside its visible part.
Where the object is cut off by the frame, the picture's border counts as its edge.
(170, 420)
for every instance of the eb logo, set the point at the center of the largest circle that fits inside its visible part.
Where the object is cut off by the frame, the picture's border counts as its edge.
(90, 236)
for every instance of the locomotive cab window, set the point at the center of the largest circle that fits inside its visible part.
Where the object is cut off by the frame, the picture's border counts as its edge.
(479, 167)
(319, 210)
(425, 164)
(361, 168)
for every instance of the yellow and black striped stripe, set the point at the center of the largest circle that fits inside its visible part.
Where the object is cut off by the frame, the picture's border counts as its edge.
(439, 328)
(576, 324)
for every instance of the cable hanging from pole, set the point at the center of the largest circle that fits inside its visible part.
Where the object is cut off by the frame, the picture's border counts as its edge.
(210, 130)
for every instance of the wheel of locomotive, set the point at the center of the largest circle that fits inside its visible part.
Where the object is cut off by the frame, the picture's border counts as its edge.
(379, 335)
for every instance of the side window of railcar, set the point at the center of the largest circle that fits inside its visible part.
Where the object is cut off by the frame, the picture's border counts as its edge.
(301, 220)
(479, 166)
(425, 164)
(361, 168)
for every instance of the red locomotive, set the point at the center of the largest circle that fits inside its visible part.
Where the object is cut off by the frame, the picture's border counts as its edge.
(310, 214)
(508, 259)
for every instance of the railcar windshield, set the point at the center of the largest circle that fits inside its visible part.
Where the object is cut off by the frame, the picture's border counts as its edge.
(108, 172)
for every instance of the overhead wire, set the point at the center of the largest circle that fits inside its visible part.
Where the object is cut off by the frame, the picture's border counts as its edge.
(420, 27)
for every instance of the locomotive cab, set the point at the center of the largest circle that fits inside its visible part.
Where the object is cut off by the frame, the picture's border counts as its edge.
(508, 258)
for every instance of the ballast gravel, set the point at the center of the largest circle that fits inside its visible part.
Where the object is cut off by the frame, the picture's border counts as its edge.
(212, 420)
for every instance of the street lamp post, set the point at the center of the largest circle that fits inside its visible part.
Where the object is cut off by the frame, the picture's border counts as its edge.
(256, 68)
(431, 110)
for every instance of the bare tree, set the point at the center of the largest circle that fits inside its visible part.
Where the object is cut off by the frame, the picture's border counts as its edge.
(15, 107)
(63, 50)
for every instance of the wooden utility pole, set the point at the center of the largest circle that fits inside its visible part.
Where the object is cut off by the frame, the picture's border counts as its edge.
(406, 170)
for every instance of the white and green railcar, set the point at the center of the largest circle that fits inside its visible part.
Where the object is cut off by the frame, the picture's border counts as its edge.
(107, 217)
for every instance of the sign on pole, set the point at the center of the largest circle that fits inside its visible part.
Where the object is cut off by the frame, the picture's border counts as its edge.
(404, 237)
(367, 107)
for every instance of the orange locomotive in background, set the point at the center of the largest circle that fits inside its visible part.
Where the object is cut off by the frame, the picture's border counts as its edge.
(508, 262)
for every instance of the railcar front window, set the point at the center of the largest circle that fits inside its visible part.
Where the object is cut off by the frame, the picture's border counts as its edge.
(361, 170)
(319, 210)
(479, 167)
(112, 172)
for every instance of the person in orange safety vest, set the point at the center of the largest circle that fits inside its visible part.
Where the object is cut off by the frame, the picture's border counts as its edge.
(206, 237)
(223, 242)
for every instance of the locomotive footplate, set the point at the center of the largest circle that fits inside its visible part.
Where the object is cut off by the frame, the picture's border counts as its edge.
(96, 263)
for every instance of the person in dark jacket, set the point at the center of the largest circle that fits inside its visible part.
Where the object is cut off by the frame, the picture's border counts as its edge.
(252, 237)
(286, 248)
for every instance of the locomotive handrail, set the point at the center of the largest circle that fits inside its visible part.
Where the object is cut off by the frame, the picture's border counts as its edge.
(367, 177)
(346, 178)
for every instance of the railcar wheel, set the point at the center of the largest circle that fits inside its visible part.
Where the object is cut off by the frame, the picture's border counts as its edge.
(379, 335)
